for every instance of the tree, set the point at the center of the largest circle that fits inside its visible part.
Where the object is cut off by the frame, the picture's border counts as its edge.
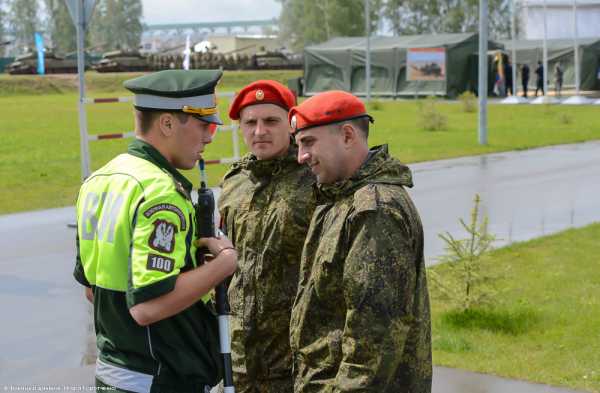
(97, 28)
(306, 22)
(24, 22)
(445, 16)
(2, 28)
(290, 25)
(130, 23)
(467, 283)
(117, 24)
(61, 27)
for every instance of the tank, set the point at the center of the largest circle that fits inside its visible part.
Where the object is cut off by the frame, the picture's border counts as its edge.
(274, 60)
(123, 61)
(53, 64)
(429, 69)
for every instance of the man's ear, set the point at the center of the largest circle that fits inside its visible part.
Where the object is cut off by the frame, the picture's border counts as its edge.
(166, 123)
(349, 134)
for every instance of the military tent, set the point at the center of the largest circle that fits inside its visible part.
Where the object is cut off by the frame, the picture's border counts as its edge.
(560, 50)
(340, 64)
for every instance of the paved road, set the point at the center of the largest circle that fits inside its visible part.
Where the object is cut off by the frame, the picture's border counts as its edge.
(445, 380)
(44, 317)
(526, 194)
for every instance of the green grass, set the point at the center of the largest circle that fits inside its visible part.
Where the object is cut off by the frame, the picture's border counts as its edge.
(40, 165)
(511, 127)
(545, 326)
(97, 83)
(39, 153)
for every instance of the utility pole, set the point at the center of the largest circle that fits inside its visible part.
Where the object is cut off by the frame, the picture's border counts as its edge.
(368, 54)
(576, 99)
(545, 73)
(483, 70)
(513, 32)
(83, 133)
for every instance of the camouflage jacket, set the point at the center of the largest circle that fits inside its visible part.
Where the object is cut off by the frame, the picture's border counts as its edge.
(360, 321)
(266, 206)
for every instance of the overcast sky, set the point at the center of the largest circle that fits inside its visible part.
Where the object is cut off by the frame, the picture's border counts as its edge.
(187, 11)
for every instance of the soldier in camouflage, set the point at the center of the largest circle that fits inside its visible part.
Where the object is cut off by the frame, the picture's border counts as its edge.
(361, 320)
(266, 204)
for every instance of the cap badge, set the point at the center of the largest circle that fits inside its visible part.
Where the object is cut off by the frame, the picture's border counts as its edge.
(260, 95)
(293, 122)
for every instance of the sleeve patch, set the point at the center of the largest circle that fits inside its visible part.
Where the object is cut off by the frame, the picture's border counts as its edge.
(162, 238)
(167, 207)
(160, 263)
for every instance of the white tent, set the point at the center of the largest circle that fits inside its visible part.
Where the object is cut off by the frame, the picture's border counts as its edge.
(559, 16)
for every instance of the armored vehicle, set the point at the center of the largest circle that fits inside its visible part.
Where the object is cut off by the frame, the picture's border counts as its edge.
(122, 61)
(53, 64)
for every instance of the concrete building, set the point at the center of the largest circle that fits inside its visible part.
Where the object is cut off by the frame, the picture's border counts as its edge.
(559, 18)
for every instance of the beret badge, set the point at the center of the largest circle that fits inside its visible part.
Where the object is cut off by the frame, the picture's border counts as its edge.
(293, 122)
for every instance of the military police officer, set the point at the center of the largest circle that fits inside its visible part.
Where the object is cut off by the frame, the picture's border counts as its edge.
(266, 204)
(136, 245)
(360, 321)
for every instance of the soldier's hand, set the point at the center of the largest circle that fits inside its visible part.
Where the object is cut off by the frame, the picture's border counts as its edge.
(216, 245)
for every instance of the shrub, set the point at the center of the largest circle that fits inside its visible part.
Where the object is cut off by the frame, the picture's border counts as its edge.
(468, 101)
(565, 118)
(375, 106)
(430, 118)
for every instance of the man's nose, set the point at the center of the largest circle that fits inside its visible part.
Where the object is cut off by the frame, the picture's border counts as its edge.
(260, 128)
(303, 156)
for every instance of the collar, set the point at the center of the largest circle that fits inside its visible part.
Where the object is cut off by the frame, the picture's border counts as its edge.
(376, 157)
(273, 167)
(142, 149)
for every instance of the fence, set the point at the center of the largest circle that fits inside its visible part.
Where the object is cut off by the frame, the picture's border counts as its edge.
(123, 135)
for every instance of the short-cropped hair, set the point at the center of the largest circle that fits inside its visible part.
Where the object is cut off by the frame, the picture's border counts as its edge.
(146, 119)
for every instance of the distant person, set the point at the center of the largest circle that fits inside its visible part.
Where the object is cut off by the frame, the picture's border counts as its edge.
(525, 78)
(539, 84)
(558, 79)
(499, 86)
(508, 77)
(500, 80)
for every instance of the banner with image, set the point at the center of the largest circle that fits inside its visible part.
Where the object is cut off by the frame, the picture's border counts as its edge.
(426, 64)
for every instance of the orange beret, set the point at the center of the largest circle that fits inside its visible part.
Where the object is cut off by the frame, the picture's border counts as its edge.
(262, 92)
(326, 108)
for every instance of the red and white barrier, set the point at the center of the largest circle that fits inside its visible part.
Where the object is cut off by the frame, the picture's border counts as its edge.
(131, 134)
(100, 137)
(107, 100)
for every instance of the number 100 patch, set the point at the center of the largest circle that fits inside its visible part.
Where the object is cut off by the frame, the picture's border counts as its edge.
(160, 263)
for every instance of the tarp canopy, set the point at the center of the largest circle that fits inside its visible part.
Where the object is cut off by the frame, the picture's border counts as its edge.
(560, 50)
(340, 64)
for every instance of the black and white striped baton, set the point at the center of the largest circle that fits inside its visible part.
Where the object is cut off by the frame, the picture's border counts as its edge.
(205, 210)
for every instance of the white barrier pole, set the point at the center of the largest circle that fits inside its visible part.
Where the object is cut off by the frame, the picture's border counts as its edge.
(235, 140)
